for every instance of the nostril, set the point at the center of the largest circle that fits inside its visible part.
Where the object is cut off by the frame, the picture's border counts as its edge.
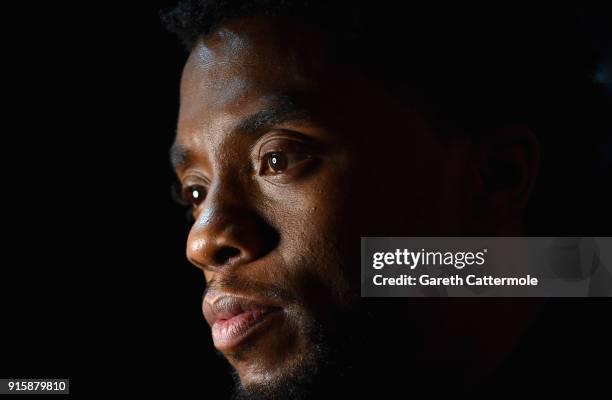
(224, 254)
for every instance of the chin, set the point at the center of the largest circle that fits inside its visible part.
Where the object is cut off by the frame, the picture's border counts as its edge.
(293, 378)
(276, 352)
(280, 360)
(255, 375)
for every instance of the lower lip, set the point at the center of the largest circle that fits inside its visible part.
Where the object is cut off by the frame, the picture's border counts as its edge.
(228, 333)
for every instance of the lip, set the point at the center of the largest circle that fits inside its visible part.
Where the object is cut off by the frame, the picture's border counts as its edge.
(234, 318)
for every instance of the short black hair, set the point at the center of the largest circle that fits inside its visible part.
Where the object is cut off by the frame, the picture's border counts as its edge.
(502, 63)
(192, 19)
(467, 68)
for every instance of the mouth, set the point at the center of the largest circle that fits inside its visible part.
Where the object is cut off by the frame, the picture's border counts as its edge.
(234, 319)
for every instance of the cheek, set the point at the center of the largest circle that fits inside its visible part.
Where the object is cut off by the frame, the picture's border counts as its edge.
(421, 193)
(313, 221)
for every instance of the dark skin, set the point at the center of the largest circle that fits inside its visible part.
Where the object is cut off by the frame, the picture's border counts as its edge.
(289, 157)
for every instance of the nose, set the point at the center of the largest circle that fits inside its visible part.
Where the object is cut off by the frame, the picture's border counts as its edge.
(228, 233)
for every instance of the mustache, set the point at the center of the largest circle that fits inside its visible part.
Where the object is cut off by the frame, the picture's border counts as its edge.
(235, 284)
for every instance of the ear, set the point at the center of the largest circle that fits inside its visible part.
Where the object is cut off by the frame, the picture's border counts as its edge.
(508, 162)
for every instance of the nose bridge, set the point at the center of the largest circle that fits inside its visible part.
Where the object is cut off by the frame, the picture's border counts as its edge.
(228, 230)
(223, 196)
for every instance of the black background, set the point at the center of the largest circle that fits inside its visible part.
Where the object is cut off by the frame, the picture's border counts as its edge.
(94, 284)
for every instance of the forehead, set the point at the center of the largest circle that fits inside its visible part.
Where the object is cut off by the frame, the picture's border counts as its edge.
(248, 58)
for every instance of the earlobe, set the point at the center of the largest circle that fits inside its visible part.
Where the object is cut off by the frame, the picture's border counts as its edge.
(508, 165)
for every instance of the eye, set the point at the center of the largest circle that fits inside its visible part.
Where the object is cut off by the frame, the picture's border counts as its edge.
(190, 196)
(279, 162)
(193, 195)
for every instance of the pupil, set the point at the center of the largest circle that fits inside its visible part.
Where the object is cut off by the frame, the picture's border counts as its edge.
(277, 162)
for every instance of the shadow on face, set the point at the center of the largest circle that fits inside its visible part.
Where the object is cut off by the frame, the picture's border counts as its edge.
(288, 158)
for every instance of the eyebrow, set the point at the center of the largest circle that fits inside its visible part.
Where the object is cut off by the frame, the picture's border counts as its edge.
(179, 155)
(278, 109)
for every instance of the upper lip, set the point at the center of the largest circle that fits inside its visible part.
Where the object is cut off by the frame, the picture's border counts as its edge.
(222, 305)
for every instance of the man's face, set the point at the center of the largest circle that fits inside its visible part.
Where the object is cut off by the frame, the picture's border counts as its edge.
(288, 158)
